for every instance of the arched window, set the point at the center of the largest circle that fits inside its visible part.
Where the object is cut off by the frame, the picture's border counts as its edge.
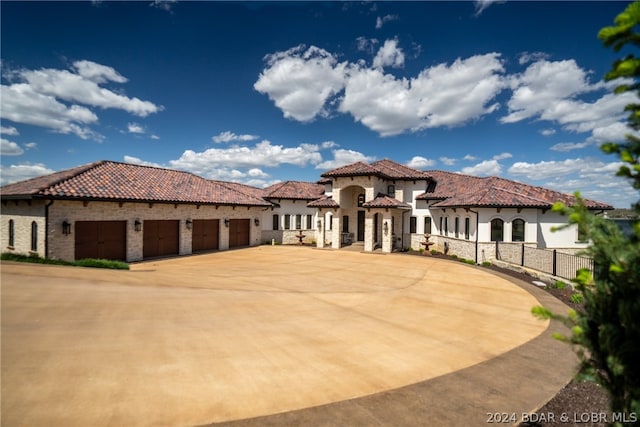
(466, 228)
(457, 227)
(497, 230)
(427, 225)
(517, 230)
(34, 236)
(12, 236)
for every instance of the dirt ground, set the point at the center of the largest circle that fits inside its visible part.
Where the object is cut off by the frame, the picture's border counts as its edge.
(253, 332)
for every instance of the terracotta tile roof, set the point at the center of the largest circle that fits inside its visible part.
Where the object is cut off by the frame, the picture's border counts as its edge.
(323, 202)
(242, 188)
(457, 190)
(294, 190)
(448, 184)
(40, 183)
(387, 169)
(384, 201)
(395, 170)
(107, 180)
(353, 169)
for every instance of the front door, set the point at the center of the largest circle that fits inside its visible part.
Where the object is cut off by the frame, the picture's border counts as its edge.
(360, 226)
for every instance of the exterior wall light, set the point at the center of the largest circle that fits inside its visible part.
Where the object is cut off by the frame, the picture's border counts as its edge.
(226, 222)
(189, 224)
(385, 227)
(319, 224)
(137, 225)
(66, 227)
(256, 221)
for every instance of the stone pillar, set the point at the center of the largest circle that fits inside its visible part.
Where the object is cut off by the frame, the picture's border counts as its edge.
(321, 231)
(186, 238)
(387, 233)
(368, 232)
(336, 231)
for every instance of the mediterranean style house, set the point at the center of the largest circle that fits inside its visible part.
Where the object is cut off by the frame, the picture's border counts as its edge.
(129, 212)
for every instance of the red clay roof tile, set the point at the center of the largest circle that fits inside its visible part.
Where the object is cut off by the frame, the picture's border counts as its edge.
(323, 202)
(107, 180)
(294, 190)
(457, 190)
(387, 169)
(385, 201)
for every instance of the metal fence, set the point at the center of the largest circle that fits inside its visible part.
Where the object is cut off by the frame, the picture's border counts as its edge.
(545, 260)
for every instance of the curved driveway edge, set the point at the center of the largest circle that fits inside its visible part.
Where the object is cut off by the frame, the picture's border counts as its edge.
(513, 384)
(274, 336)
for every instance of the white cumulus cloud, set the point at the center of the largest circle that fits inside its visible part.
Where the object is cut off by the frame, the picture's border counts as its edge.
(380, 21)
(10, 130)
(135, 128)
(263, 154)
(300, 81)
(442, 95)
(342, 157)
(22, 171)
(389, 55)
(9, 148)
(228, 136)
(419, 162)
(485, 168)
(60, 99)
(555, 91)
(305, 84)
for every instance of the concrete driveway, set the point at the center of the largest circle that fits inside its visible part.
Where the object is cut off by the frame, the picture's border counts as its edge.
(254, 332)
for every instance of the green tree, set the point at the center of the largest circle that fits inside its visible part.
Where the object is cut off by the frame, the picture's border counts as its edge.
(606, 334)
(624, 33)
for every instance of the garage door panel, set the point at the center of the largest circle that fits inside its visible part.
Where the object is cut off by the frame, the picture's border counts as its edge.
(101, 239)
(112, 243)
(239, 232)
(160, 238)
(205, 234)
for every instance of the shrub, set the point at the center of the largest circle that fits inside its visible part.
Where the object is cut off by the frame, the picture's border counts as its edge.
(577, 298)
(88, 262)
(559, 285)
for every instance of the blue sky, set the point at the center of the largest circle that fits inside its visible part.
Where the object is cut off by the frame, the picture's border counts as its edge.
(262, 92)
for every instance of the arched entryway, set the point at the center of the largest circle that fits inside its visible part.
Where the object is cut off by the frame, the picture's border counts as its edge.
(352, 214)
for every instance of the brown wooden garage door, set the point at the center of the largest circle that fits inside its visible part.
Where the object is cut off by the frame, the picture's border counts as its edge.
(238, 233)
(101, 239)
(160, 238)
(205, 234)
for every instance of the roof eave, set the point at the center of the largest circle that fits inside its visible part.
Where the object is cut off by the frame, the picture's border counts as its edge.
(130, 200)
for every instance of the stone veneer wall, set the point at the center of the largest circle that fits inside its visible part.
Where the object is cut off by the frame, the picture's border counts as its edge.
(289, 237)
(63, 246)
(23, 213)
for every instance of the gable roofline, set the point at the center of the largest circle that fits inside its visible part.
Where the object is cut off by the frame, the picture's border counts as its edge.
(294, 190)
(33, 186)
(107, 180)
(457, 190)
(386, 169)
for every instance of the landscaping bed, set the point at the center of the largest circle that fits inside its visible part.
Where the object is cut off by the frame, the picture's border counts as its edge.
(579, 403)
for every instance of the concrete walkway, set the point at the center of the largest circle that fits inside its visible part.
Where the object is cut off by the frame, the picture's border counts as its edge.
(314, 337)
